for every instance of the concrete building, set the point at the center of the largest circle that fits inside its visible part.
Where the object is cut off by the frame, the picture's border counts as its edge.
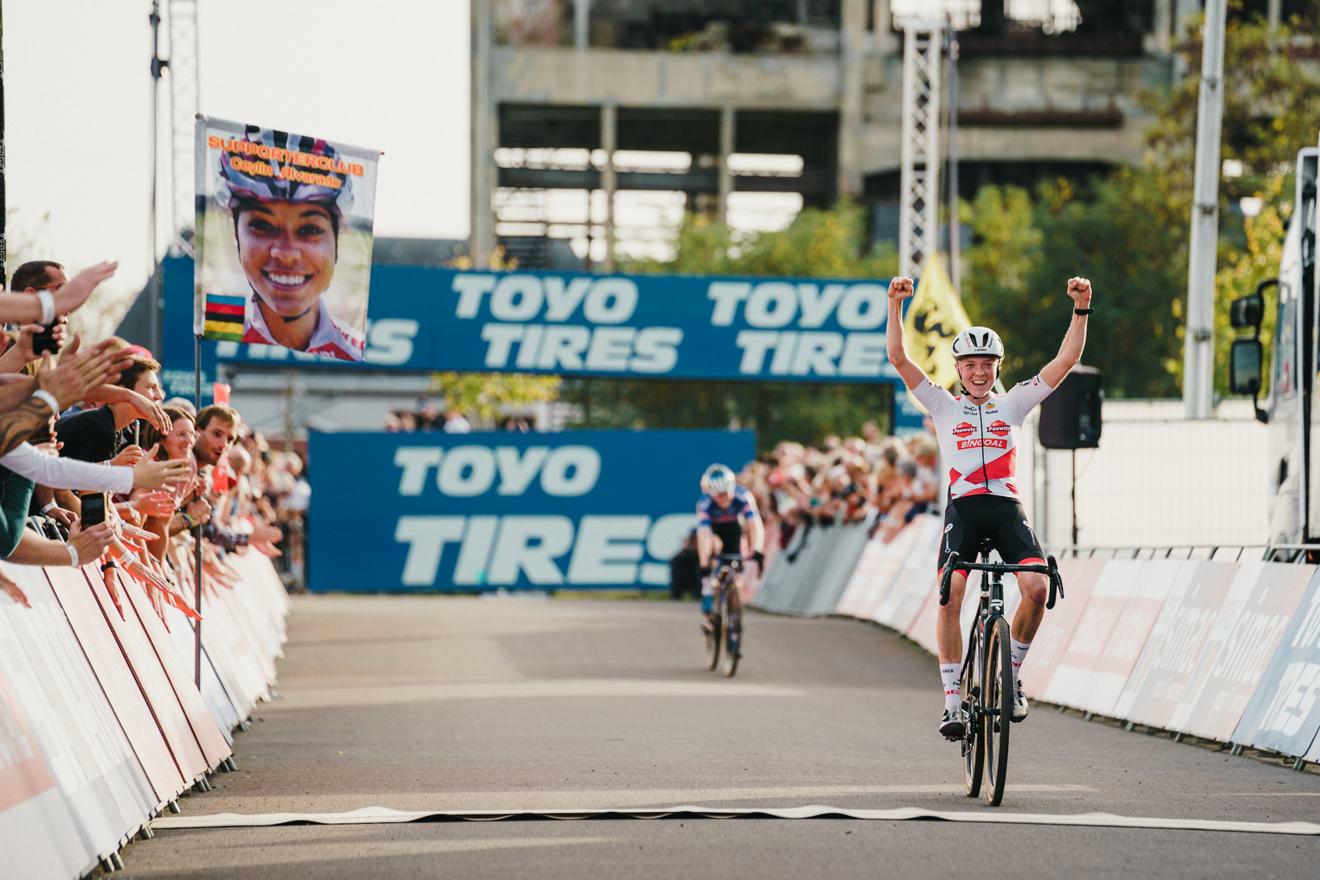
(582, 107)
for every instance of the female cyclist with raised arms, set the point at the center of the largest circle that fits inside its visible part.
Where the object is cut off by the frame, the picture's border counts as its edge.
(977, 434)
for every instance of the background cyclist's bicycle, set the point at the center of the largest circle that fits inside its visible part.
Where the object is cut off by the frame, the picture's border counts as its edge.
(724, 634)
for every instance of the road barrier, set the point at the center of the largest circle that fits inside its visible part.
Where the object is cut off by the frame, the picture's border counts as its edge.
(101, 724)
(1221, 650)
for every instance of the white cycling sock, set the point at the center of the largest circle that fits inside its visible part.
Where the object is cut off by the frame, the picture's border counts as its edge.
(1018, 651)
(952, 691)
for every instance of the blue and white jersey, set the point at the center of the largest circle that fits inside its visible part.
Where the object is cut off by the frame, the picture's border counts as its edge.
(742, 507)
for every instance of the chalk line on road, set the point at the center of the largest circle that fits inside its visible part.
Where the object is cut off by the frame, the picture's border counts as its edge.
(384, 815)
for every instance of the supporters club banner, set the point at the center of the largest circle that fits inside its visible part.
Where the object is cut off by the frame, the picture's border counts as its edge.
(635, 326)
(284, 240)
(577, 510)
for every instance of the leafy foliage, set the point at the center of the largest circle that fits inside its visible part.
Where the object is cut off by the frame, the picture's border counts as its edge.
(1128, 231)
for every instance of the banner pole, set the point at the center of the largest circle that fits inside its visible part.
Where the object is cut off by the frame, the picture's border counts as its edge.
(197, 529)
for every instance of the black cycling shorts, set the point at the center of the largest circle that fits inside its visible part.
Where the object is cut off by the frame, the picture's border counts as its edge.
(967, 521)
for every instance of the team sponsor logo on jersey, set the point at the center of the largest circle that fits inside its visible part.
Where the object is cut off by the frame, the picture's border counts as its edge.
(999, 428)
(964, 429)
(986, 442)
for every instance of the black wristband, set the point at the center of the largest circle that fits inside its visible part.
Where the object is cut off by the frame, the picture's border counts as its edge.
(1082, 311)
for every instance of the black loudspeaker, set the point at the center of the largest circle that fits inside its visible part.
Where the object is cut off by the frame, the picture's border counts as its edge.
(1070, 417)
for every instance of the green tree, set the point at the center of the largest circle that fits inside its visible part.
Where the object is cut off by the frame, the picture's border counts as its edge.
(1128, 231)
(818, 243)
(486, 395)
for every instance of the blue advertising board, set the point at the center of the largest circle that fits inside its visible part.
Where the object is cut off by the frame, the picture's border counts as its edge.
(443, 512)
(637, 326)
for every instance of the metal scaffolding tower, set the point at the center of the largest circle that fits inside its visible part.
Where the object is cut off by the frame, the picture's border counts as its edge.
(185, 101)
(918, 218)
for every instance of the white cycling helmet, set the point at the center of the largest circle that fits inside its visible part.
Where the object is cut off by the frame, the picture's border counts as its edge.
(978, 341)
(718, 480)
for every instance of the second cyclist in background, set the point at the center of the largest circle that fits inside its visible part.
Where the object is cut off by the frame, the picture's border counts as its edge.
(723, 509)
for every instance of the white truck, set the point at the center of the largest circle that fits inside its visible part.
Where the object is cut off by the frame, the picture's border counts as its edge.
(1291, 406)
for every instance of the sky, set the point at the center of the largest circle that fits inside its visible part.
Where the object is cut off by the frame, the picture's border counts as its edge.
(390, 74)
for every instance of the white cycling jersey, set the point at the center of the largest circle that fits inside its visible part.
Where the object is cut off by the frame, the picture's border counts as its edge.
(979, 443)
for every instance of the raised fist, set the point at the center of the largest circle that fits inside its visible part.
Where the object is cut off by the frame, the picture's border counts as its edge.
(1079, 291)
(900, 288)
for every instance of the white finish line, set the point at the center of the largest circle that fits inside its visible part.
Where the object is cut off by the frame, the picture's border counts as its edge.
(386, 816)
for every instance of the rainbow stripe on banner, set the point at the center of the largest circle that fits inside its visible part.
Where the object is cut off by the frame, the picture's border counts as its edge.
(224, 317)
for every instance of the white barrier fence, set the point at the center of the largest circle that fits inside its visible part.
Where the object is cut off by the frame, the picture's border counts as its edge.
(101, 724)
(1221, 649)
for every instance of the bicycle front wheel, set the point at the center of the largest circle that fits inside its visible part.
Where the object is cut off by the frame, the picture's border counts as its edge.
(714, 635)
(997, 691)
(732, 627)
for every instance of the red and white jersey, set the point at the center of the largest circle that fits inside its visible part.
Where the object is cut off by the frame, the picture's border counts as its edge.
(979, 443)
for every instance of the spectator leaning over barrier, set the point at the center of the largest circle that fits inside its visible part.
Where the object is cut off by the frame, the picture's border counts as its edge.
(217, 430)
(50, 390)
(977, 434)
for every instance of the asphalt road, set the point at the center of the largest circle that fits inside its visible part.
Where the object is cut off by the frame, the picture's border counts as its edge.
(531, 704)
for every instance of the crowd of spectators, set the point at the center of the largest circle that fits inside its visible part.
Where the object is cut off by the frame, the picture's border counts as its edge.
(97, 467)
(426, 416)
(870, 478)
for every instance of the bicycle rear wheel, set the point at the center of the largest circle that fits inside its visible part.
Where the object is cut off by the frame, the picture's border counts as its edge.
(732, 628)
(973, 757)
(997, 692)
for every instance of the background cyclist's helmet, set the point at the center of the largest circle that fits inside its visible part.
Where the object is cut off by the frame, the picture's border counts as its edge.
(718, 479)
(239, 185)
(978, 342)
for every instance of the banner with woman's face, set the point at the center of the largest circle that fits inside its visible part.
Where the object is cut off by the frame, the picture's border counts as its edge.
(283, 239)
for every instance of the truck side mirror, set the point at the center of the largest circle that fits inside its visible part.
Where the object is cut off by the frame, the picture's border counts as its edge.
(1244, 366)
(1249, 311)
(1246, 311)
(1244, 372)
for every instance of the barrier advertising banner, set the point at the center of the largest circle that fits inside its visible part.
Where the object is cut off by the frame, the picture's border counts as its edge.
(1242, 644)
(488, 511)
(1123, 608)
(1167, 663)
(1056, 632)
(284, 239)
(1284, 712)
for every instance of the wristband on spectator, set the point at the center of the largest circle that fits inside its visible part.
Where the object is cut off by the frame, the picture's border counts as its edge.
(47, 398)
(1082, 311)
(188, 520)
(47, 300)
(73, 555)
(49, 506)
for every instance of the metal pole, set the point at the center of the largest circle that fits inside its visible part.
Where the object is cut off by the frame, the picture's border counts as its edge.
(1074, 498)
(153, 290)
(197, 530)
(481, 241)
(581, 24)
(1199, 336)
(726, 150)
(608, 178)
(3, 204)
(955, 227)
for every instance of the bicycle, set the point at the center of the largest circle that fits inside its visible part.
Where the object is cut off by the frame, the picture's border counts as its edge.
(987, 672)
(725, 630)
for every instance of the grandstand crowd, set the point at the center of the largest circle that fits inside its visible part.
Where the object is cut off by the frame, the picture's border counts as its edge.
(97, 467)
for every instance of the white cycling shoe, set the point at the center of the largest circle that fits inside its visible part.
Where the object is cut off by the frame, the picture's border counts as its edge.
(953, 723)
(1020, 705)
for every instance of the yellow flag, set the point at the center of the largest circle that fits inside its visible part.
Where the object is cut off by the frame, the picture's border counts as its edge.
(933, 320)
